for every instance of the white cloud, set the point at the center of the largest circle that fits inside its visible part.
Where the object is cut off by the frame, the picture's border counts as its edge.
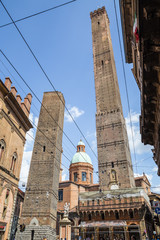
(137, 175)
(155, 169)
(140, 148)
(25, 166)
(75, 112)
(28, 150)
(156, 189)
(36, 121)
(64, 176)
(149, 176)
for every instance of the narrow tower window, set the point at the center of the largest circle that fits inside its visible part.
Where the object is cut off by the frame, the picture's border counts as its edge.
(75, 177)
(112, 164)
(44, 148)
(102, 62)
(2, 148)
(98, 23)
(84, 176)
(90, 177)
(13, 163)
(7, 197)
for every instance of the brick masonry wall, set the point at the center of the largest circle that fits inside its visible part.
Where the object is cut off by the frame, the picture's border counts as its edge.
(42, 187)
(112, 140)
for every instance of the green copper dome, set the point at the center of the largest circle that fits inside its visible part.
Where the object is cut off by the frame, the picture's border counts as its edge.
(81, 157)
(81, 143)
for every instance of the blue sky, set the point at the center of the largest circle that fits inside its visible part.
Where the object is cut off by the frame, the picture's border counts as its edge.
(62, 42)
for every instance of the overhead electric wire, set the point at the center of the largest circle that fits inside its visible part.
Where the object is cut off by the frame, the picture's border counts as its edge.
(40, 101)
(42, 69)
(17, 83)
(66, 147)
(126, 87)
(37, 143)
(38, 13)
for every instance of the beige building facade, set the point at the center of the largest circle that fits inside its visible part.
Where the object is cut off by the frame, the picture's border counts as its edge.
(14, 123)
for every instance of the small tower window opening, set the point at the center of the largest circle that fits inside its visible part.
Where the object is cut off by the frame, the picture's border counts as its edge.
(4, 212)
(90, 177)
(98, 23)
(112, 164)
(60, 195)
(2, 148)
(84, 176)
(44, 148)
(75, 177)
(13, 163)
(102, 62)
(98, 201)
(7, 197)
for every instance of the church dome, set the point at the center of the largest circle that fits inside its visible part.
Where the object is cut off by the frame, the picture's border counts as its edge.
(81, 155)
(80, 143)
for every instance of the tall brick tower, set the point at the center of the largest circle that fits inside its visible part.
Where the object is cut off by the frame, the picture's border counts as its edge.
(40, 205)
(115, 167)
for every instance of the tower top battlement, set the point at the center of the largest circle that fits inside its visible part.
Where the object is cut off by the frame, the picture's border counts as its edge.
(98, 12)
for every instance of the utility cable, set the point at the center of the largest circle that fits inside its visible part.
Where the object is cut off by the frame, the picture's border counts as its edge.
(38, 142)
(126, 87)
(45, 137)
(38, 13)
(42, 69)
(17, 83)
(25, 95)
(40, 101)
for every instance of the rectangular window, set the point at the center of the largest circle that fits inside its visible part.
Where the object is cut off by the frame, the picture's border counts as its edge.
(60, 195)
(90, 177)
(7, 196)
(84, 174)
(75, 177)
(4, 212)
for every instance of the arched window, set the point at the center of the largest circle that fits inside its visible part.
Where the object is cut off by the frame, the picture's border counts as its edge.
(2, 148)
(13, 163)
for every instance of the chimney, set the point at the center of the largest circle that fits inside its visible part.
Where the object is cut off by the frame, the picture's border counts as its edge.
(8, 83)
(19, 99)
(27, 101)
(14, 91)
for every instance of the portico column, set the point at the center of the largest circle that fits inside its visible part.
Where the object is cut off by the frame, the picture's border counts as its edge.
(126, 232)
(111, 233)
(96, 233)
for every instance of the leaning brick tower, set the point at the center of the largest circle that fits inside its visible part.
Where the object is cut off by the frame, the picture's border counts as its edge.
(114, 161)
(38, 220)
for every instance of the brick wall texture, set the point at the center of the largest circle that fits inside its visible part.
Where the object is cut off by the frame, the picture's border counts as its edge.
(115, 167)
(42, 188)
